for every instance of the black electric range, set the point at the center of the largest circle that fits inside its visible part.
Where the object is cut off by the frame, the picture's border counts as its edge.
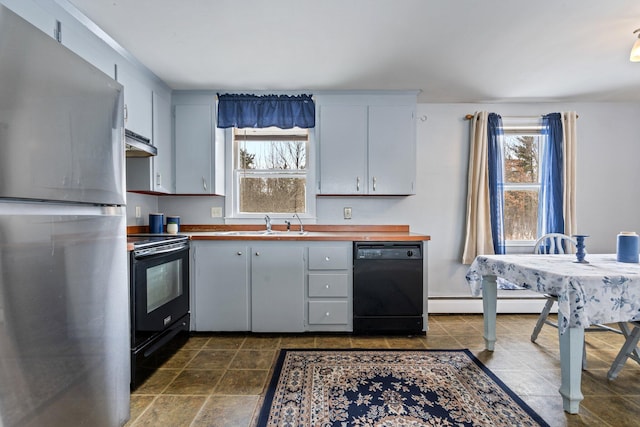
(148, 240)
(159, 300)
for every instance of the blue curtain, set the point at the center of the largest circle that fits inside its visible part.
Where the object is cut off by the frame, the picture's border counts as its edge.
(252, 111)
(550, 216)
(496, 181)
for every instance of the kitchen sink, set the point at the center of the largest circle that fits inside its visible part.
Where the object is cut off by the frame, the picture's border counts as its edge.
(242, 233)
(261, 233)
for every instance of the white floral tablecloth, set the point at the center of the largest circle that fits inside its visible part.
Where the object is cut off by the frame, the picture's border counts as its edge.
(602, 291)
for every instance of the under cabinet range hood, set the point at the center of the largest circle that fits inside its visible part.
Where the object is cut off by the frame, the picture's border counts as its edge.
(138, 146)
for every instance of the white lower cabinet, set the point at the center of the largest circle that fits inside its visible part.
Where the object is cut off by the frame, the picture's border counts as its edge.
(328, 313)
(279, 286)
(221, 291)
(329, 287)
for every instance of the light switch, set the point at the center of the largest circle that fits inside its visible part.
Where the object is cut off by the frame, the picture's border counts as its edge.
(138, 212)
(216, 212)
(347, 213)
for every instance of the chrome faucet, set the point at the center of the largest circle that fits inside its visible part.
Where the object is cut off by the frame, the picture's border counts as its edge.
(267, 219)
(295, 215)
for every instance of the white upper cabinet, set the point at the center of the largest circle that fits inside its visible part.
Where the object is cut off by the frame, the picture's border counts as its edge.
(367, 144)
(155, 174)
(138, 103)
(194, 143)
(163, 175)
(342, 149)
(392, 149)
(199, 158)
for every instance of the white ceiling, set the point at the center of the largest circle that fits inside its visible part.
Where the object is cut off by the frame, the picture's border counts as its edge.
(452, 51)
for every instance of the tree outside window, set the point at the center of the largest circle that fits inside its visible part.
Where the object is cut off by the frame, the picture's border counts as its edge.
(270, 169)
(521, 185)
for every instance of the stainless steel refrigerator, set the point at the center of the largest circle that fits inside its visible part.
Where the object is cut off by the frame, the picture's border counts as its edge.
(64, 325)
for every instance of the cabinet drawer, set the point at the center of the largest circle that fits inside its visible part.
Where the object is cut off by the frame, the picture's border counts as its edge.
(328, 312)
(328, 285)
(329, 258)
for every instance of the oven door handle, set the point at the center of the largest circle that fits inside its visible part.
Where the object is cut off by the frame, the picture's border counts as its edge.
(145, 253)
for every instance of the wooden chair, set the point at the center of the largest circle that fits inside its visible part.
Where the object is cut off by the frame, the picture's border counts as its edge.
(558, 243)
(629, 349)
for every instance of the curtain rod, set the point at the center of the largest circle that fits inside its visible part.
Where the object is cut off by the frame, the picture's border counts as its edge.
(470, 116)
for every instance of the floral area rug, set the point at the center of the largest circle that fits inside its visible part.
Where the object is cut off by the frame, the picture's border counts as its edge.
(380, 388)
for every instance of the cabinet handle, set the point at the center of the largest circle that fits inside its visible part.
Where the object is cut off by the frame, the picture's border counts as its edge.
(326, 286)
(357, 183)
(257, 253)
(204, 183)
(327, 258)
(374, 183)
(239, 252)
(327, 314)
(126, 113)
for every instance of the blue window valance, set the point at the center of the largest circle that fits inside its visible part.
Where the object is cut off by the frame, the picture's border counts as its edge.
(252, 111)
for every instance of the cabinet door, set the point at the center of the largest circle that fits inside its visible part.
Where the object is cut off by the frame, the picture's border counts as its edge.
(343, 141)
(162, 163)
(155, 173)
(193, 128)
(221, 290)
(277, 288)
(392, 149)
(138, 103)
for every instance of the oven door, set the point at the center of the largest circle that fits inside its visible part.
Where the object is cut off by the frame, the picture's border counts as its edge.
(160, 292)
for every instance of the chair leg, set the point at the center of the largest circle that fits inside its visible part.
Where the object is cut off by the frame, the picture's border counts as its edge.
(626, 331)
(628, 348)
(542, 319)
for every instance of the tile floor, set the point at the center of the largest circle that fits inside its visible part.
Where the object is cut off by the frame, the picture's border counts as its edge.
(218, 379)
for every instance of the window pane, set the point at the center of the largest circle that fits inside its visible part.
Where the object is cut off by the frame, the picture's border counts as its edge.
(520, 214)
(521, 156)
(278, 155)
(277, 195)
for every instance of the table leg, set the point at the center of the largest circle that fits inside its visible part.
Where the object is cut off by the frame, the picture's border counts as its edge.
(571, 348)
(489, 301)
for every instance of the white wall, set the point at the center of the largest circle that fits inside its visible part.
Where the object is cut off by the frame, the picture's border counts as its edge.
(608, 176)
(608, 179)
(147, 204)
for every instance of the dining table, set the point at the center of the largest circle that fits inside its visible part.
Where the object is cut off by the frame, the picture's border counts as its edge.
(598, 290)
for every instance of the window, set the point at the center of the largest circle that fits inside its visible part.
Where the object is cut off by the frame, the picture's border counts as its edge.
(270, 171)
(522, 147)
(531, 164)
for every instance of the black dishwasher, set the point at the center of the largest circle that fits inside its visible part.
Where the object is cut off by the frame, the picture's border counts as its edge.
(388, 287)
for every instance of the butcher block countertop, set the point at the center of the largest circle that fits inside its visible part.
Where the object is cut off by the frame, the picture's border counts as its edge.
(312, 232)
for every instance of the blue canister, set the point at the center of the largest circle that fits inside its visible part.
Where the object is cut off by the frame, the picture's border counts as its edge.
(156, 223)
(627, 247)
(174, 219)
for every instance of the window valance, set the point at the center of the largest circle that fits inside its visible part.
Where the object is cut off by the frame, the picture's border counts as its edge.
(252, 111)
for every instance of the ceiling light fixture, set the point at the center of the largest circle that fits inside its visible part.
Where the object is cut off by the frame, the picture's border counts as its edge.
(635, 50)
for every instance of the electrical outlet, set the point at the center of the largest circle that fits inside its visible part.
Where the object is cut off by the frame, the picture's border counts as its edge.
(216, 212)
(347, 213)
(138, 212)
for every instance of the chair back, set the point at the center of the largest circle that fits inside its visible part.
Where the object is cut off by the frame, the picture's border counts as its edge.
(554, 243)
